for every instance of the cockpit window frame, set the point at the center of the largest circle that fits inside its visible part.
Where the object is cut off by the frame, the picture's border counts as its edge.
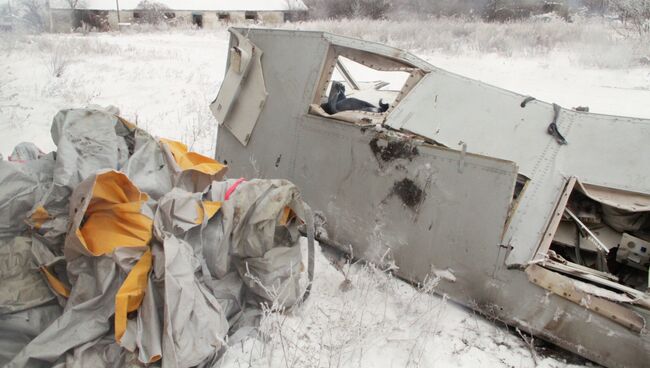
(371, 60)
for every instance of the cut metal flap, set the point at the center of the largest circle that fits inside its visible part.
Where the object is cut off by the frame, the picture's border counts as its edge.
(586, 296)
(243, 92)
(625, 200)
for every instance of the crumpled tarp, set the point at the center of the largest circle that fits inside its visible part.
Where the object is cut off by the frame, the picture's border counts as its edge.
(122, 250)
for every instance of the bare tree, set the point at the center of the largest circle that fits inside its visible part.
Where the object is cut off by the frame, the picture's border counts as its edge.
(33, 14)
(634, 15)
(73, 3)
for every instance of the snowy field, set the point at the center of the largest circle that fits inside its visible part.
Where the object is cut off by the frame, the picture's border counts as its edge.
(358, 315)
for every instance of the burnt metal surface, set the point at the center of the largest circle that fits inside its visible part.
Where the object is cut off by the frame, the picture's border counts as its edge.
(393, 149)
(409, 192)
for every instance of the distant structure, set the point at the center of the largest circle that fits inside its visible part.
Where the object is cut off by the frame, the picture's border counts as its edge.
(67, 15)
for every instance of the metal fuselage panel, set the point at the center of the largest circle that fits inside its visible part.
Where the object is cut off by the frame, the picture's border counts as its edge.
(434, 211)
(603, 150)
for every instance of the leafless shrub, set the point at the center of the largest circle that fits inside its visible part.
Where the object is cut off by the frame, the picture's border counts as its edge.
(200, 127)
(404, 9)
(338, 9)
(59, 59)
(152, 12)
(599, 7)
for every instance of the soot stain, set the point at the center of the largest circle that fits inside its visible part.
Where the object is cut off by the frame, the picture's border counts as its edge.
(394, 149)
(410, 194)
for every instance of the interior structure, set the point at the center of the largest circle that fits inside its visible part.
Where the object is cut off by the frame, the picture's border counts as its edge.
(604, 232)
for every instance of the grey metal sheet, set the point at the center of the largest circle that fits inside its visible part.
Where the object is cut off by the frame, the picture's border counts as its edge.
(244, 81)
(602, 150)
(459, 219)
(333, 164)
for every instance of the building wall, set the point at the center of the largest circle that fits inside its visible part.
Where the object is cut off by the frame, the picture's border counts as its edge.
(112, 20)
(126, 16)
(271, 17)
(63, 20)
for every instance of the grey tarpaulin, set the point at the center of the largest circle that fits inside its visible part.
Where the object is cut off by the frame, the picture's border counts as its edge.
(81, 150)
(25, 151)
(23, 184)
(22, 287)
(118, 221)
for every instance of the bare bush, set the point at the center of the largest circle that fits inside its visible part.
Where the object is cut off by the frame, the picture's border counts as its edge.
(339, 9)
(59, 59)
(152, 12)
(599, 7)
(426, 8)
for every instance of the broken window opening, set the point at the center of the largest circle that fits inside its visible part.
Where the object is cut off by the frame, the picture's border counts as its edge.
(251, 15)
(197, 20)
(224, 17)
(360, 87)
(604, 232)
(170, 15)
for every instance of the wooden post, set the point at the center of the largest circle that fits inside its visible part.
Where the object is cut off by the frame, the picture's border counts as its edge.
(49, 16)
(117, 4)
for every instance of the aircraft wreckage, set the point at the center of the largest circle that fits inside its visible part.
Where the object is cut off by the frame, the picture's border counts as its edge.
(532, 214)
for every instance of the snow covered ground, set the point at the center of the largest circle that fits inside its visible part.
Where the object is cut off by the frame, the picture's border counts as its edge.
(358, 315)
(161, 81)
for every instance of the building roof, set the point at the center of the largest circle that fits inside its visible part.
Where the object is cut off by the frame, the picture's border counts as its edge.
(206, 5)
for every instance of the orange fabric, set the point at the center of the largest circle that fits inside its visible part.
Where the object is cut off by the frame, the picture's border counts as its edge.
(39, 216)
(113, 218)
(130, 295)
(191, 160)
(209, 209)
(287, 215)
(127, 123)
(55, 283)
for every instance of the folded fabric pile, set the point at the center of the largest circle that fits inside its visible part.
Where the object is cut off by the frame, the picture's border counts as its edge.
(120, 249)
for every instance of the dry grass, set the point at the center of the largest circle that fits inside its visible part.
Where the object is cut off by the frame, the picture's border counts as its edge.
(595, 41)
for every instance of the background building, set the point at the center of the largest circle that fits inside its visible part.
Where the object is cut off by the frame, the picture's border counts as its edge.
(67, 15)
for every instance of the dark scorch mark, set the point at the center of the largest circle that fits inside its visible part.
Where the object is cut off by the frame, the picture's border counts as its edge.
(387, 151)
(410, 194)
